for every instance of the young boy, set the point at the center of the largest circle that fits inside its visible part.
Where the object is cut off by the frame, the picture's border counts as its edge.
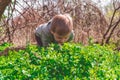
(58, 30)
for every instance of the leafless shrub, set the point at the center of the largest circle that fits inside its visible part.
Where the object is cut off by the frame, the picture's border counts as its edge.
(88, 20)
(113, 27)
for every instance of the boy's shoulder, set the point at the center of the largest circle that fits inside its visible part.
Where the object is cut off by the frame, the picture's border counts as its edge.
(43, 28)
(45, 25)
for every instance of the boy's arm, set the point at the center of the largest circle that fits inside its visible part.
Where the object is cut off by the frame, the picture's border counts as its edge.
(45, 41)
(71, 36)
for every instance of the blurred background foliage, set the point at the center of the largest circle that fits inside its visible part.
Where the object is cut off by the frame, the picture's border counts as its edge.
(92, 19)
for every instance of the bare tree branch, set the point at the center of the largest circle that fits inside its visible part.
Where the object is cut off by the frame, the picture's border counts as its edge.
(3, 5)
(111, 27)
(117, 23)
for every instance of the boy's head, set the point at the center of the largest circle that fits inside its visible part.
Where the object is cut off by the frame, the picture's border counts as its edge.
(61, 27)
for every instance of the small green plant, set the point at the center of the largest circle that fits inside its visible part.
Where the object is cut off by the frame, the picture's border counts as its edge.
(4, 46)
(68, 62)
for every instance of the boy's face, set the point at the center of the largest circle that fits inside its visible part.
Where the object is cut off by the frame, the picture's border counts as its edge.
(61, 39)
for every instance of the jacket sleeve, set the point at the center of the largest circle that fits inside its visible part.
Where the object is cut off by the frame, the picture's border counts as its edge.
(71, 36)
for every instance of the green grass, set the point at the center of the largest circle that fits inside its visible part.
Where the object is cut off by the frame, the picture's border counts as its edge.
(68, 62)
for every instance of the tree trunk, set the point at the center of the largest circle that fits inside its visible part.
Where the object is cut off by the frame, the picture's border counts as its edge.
(3, 5)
